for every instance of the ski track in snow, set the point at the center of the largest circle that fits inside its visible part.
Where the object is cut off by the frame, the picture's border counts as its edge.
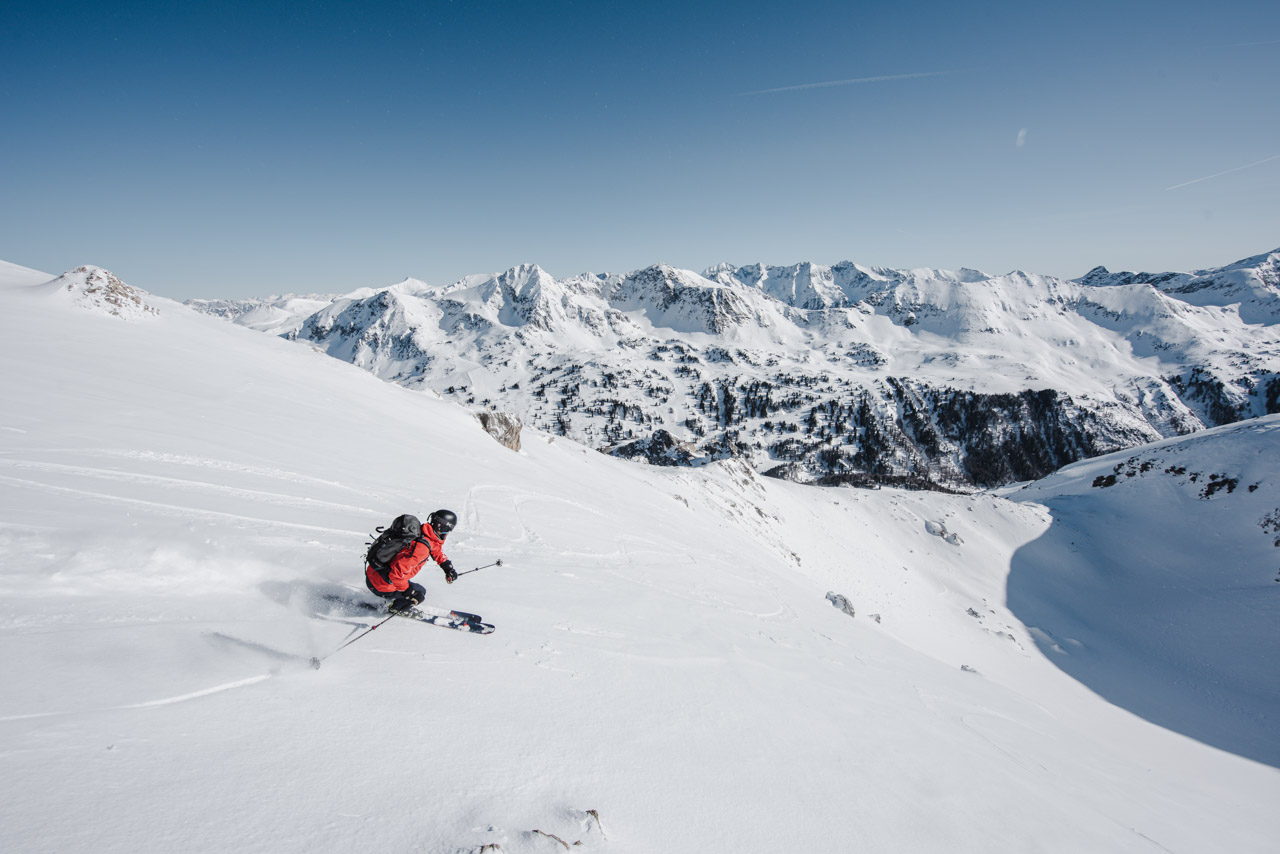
(181, 483)
(171, 509)
(167, 701)
(218, 465)
(186, 460)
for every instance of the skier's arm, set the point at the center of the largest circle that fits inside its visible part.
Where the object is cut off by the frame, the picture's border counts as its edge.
(438, 555)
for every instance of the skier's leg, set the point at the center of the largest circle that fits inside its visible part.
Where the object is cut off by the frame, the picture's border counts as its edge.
(407, 598)
(415, 594)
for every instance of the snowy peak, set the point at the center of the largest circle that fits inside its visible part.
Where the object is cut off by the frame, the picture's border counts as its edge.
(527, 301)
(1101, 277)
(411, 285)
(813, 287)
(530, 297)
(683, 301)
(805, 285)
(1251, 284)
(1265, 268)
(99, 290)
(602, 307)
(378, 332)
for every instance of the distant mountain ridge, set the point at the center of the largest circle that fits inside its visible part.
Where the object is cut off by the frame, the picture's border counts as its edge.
(826, 373)
(1252, 284)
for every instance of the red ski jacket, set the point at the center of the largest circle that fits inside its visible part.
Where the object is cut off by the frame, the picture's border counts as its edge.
(407, 563)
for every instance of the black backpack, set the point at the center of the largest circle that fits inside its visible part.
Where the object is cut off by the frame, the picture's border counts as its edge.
(391, 540)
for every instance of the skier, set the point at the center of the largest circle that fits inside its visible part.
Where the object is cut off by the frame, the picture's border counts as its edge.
(390, 580)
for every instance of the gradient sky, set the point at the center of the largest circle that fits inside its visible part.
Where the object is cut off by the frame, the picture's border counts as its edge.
(234, 149)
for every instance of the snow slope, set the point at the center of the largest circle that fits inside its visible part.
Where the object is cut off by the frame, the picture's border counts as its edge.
(12, 275)
(178, 496)
(1156, 584)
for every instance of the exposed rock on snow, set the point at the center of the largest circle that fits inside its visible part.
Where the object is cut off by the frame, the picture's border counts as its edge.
(841, 602)
(502, 426)
(940, 530)
(581, 826)
(96, 289)
(660, 449)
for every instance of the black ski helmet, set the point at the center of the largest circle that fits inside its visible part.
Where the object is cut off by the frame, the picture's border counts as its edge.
(442, 522)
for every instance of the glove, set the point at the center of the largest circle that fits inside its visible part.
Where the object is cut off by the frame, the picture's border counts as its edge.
(449, 575)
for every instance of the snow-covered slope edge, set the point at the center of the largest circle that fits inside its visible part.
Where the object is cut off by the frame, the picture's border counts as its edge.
(1156, 584)
(17, 276)
(178, 496)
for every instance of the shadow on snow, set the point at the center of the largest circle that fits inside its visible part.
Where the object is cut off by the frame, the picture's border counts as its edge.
(1155, 624)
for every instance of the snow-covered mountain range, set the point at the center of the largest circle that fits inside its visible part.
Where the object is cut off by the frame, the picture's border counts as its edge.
(826, 373)
(1082, 664)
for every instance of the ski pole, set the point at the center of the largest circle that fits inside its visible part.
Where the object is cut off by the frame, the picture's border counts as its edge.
(478, 568)
(315, 662)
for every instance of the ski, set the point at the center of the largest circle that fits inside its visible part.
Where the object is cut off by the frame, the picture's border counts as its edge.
(460, 620)
(461, 615)
(357, 606)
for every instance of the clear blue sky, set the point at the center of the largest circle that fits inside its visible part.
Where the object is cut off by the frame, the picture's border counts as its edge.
(229, 149)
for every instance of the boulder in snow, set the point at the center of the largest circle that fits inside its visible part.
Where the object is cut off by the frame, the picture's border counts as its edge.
(502, 426)
(841, 602)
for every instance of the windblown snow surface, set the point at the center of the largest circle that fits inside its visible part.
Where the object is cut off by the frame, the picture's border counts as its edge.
(179, 496)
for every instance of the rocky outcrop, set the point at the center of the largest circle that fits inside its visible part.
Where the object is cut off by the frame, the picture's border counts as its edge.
(96, 289)
(503, 427)
(660, 449)
(840, 601)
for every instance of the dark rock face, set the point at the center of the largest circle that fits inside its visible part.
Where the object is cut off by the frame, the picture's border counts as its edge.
(907, 434)
(1209, 395)
(901, 433)
(660, 449)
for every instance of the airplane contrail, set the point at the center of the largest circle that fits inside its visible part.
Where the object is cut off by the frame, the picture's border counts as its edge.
(1243, 44)
(1228, 172)
(849, 82)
